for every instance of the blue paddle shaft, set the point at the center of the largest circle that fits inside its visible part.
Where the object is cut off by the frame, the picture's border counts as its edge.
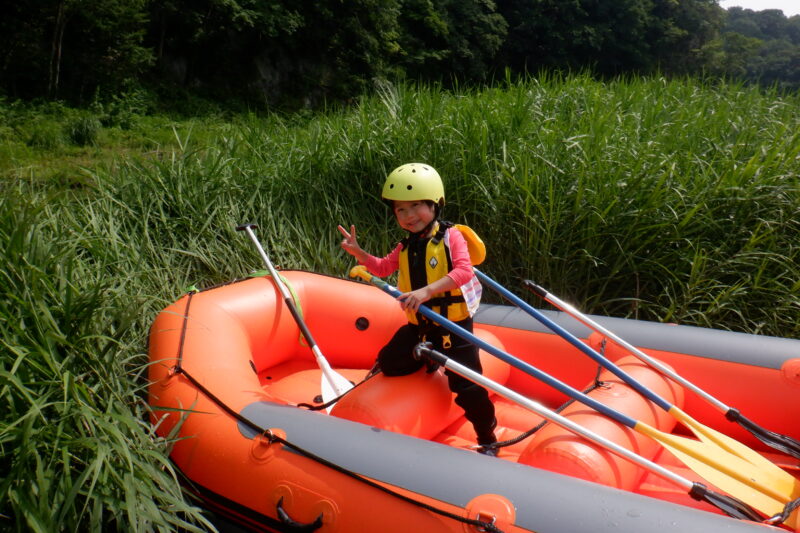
(576, 342)
(510, 359)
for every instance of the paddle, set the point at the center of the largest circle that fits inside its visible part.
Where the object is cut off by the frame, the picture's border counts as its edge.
(779, 476)
(333, 384)
(729, 472)
(729, 505)
(783, 443)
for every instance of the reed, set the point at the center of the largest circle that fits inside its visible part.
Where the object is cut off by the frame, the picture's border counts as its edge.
(670, 200)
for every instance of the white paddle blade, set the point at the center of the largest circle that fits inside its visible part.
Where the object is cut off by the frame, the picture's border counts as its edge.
(333, 385)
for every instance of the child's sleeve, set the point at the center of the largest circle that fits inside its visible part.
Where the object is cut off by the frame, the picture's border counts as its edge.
(384, 266)
(462, 266)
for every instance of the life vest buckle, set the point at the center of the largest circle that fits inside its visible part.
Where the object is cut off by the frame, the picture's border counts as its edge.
(446, 342)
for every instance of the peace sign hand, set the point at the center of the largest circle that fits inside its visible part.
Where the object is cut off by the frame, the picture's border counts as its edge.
(350, 243)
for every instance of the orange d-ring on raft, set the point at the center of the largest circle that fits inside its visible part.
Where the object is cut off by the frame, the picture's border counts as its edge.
(229, 370)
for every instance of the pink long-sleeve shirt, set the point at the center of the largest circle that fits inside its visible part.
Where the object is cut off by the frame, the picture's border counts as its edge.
(459, 253)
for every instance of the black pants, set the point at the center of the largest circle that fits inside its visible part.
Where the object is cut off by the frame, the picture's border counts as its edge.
(397, 359)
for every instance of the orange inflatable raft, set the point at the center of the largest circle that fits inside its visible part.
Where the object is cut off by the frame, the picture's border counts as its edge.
(232, 382)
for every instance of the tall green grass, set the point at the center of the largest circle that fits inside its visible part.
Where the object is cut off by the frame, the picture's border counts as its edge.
(659, 199)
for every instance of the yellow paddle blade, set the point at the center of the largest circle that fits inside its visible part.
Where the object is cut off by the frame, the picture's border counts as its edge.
(743, 492)
(730, 473)
(712, 436)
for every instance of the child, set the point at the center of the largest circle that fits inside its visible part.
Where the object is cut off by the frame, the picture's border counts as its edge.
(435, 269)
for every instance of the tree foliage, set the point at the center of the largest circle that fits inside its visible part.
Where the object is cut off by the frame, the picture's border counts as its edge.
(70, 48)
(758, 46)
(279, 51)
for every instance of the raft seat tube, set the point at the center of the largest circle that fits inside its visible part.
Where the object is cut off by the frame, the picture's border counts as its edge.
(559, 450)
(420, 404)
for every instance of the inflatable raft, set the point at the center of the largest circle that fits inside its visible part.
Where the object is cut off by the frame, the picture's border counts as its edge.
(233, 383)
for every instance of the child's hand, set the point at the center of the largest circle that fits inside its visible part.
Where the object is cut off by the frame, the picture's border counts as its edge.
(350, 243)
(412, 300)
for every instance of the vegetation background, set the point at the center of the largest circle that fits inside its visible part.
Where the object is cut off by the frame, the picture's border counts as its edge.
(280, 52)
(626, 175)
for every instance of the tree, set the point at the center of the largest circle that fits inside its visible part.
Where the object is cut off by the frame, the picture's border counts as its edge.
(740, 20)
(610, 37)
(680, 30)
(422, 39)
(541, 33)
(476, 33)
(213, 43)
(778, 64)
(449, 38)
(69, 48)
(24, 39)
(760, 46)
(730, 55)
(276, 48)
(344, 46)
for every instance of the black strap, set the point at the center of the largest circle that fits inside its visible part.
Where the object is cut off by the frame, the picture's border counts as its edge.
(294, 526)
(444, 301)
(522, 436)
(783, 516)
(319, 406)
(440, 231)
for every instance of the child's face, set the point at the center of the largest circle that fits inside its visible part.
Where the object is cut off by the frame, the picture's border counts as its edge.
(413, 215)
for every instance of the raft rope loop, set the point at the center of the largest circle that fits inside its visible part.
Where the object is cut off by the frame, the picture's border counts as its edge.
(783, 516)
(271, 437)
(522, 436)
(320, 406)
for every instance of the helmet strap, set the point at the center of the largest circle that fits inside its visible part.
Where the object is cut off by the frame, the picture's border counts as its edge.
(427, 229)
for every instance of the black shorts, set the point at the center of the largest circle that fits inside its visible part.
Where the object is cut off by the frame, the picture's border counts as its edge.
(396, 358)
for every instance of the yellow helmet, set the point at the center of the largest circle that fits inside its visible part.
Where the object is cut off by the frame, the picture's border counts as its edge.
(414, 181)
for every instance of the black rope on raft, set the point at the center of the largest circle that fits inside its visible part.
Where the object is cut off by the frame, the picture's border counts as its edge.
(783, 516)
(522, 436)
(320, 406)
(272, 438)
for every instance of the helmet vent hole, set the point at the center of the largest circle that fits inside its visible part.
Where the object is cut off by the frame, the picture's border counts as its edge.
(409, 187)
(391, 186)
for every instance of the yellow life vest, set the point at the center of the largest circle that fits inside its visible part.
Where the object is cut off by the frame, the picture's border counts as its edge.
(456, 304)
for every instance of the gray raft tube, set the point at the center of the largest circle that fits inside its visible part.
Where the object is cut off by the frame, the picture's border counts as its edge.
(757, 350)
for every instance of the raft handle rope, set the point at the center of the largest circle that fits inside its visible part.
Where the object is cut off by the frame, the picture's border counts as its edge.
(297, 527)
(524, 435)
(783, 516)
(316, 406)
(272, 437)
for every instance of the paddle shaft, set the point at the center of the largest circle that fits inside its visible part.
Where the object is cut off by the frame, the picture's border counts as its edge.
(770, 476)
(700, 430)
(585, 320)
(727, 504)
(501, 354)
(775, 440)
(576, 342)
(287, 297)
